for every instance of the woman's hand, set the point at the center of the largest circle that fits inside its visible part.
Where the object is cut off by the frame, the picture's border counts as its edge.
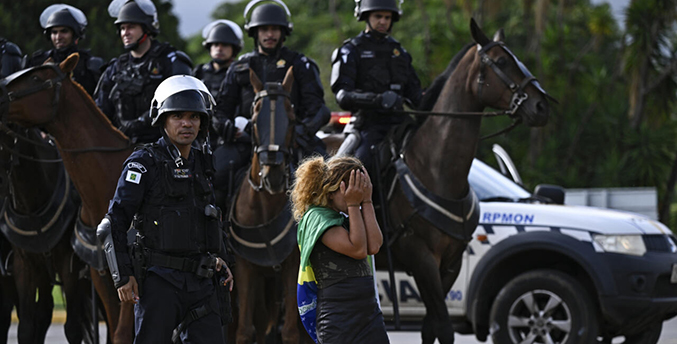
(354, 194)
(368, 187)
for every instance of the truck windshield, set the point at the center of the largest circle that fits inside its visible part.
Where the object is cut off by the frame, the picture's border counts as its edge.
(489, 184)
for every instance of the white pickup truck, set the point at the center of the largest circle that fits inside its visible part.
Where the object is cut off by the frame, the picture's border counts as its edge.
(535, 271)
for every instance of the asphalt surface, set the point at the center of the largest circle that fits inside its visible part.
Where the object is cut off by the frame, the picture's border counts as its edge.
(55, 335)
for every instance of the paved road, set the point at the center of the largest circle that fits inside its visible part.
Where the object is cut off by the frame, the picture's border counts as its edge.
(55, 335)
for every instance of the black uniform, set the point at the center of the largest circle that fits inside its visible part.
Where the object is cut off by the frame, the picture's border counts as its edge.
(236, 96)
(86, 73)
(369, 63)
(210, 76)
(10, 58)
(128, 85)
(169, 200)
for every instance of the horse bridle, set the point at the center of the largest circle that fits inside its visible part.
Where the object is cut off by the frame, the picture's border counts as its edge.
(7, 97)
(276, 94)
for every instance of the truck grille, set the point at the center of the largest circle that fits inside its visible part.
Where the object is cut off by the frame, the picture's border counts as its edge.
(659, 243)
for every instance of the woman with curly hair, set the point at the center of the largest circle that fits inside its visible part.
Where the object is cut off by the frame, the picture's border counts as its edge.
(337, 231)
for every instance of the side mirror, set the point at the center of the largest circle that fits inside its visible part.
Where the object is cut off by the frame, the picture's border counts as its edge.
(552, 193)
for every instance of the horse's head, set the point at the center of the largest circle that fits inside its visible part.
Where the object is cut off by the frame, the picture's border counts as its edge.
(273, 128)
(31, 97)
(500, 80)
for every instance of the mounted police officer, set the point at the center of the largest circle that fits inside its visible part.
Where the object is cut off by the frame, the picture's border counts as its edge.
(269, 26)
(64, 26)
(223, 39)
(165, 188)
(127, 85)
(10, 58)
(371, 76)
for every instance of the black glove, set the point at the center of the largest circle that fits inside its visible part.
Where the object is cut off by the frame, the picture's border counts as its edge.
(390, 100)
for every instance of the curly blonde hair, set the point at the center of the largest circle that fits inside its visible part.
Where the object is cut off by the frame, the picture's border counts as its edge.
(317, 178)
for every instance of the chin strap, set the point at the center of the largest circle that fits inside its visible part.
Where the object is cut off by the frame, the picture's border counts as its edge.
(136, 44)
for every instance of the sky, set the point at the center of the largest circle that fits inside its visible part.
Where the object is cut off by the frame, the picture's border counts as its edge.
(195, 14)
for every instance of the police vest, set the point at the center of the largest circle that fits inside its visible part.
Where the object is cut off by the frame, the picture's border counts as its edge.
(135, 83)
(178, 217)
(272, 69)
(210, 77)
(383, 65)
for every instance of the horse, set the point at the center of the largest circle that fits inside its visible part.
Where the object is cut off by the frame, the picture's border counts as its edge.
(262, 231)
(438, 157)
(92, 150)
(36, 215)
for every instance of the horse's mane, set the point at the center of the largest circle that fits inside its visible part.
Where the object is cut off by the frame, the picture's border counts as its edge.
(90, 103)
(431, 94)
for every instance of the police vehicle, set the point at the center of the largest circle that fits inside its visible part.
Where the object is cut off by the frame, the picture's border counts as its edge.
(535, 270)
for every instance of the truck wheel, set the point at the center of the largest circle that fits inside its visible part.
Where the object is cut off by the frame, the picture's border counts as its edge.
(649, 336)
(543, 306)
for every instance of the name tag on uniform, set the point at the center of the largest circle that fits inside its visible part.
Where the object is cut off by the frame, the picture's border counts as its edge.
(367, 54)
(182, 173)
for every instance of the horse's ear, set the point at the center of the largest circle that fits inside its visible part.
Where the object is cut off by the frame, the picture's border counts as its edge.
(255, 81)
(288, 80)
(499, 36)
(477, 34)
(69, 63)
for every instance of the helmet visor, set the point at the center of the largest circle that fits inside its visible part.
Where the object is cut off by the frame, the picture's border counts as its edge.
(146, 6)
(76, 13)
(251, 5)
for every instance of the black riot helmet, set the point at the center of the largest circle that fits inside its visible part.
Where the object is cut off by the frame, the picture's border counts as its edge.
(363, 7)
(63, 15)
(141, 12)
(223, 31)
(267, 14)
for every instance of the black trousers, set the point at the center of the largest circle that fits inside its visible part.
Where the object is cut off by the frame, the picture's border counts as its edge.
(163, 306)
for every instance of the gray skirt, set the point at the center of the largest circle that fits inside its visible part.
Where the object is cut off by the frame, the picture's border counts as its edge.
(347, 312)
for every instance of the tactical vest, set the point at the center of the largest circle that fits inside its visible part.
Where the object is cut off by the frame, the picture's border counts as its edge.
(135, 83)
(174, 218)
(268, 69)
(383, 65)
(210, 77)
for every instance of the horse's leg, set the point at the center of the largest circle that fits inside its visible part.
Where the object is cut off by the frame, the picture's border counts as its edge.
(8, 297)
(425, 267)
(266, 308)
(109, 297)
(45, 305)
(24, 280)
(124, 333)
(246, 284)
(69, 266)
(290, 270)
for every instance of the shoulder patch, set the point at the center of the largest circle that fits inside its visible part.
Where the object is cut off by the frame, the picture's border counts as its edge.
(241, 67)
(137, 166)
(133, 177)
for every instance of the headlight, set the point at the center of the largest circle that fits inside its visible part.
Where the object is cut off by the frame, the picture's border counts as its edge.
(626, 244)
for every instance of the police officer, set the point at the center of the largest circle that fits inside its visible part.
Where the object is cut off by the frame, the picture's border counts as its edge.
(372, 75)
(64, 26)
(223, 39)
(165, 187)
(269, 26)
(10, 58)
(126, 87)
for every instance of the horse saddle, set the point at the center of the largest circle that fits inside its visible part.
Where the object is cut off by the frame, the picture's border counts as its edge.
(41, 231)
(85, 245)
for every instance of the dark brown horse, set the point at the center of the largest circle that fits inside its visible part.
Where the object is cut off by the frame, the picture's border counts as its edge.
(439, 155)
(92, 151)
(37, 217)
(263, 233)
